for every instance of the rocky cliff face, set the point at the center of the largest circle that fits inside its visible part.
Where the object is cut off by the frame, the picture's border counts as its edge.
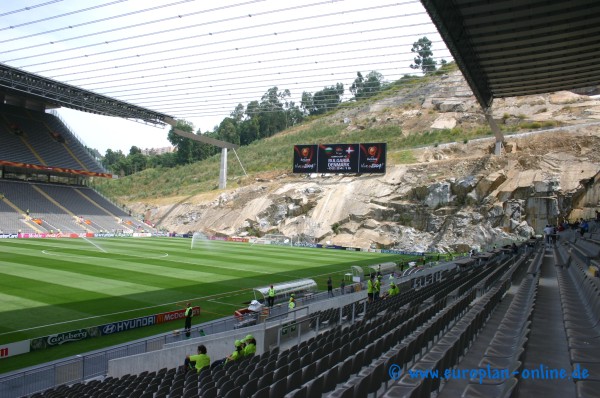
(457, 196)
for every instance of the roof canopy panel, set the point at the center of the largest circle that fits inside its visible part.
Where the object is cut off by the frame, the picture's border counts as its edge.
(18, 83)
(508, 48)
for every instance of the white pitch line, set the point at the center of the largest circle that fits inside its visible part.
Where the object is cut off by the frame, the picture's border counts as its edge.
(221, 302)
(127, 311)
(127, 256)
(93, 244)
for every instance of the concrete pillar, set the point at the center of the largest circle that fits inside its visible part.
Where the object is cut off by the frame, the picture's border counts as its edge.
(223, 169)
(496, 130)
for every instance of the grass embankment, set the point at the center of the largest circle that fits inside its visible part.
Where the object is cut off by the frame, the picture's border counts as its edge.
(274, 154)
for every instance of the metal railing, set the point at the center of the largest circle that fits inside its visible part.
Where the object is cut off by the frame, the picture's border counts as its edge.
(95, 364)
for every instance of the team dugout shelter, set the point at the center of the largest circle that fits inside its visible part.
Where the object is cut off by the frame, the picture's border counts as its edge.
(283, 291)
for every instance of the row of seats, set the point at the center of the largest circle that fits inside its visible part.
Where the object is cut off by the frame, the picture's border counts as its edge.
(580, 301)
(36, 136)
(411, 347)
(452, 345)
(127, 386)
(322, 367)
(407, 351)
(507, 348)
(344, 359)
(585, 251)
(79, 201)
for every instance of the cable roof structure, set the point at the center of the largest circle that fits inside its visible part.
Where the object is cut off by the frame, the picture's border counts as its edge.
(191, 58)
(197, 60)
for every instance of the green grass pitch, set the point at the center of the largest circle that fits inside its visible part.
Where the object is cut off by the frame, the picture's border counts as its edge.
(49, 286)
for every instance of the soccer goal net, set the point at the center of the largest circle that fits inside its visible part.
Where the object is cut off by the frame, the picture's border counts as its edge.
(199, 240)
(273, 239)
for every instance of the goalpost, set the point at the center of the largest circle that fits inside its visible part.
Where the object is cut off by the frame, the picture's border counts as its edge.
(199, 240)
(274, 239)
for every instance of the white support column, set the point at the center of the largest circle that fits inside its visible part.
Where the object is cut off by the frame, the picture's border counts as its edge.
(223, 169)
(495, 129)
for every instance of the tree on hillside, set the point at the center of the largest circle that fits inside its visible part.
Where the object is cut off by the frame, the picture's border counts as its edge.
(322, 101)
(272, 113)
(137, 161)
(186, 148)
(307, 103)
(238, 113)
(111, 158)
(166, 160)
(368, 86)
(227, 131)
(293, 114)
(249, 131)
(424, 59)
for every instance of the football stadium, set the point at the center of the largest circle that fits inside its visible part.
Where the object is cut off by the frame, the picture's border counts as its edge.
(99, 302)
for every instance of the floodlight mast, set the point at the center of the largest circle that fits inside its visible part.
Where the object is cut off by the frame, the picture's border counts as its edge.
(211, 141)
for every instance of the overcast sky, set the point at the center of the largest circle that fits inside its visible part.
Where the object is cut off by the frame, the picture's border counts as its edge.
(197, 59)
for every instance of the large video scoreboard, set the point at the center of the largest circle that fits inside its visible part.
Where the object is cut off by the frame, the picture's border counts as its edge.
(340, 158)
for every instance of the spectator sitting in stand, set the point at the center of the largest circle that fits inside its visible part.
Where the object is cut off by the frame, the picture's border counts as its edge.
(198, 361)
(237, 353)
(393, 290)
(250, 348)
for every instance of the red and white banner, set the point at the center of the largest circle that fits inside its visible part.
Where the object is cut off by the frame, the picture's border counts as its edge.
(57, 235)
(10, 349)
(175, 315)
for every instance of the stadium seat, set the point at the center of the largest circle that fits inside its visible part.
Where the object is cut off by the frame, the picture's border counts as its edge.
(298, 393)
(265, 380)
(263, 392)
(176, 392)
(587, 388)
(294, 365)
(189, 393)
(279, 388)
(377, 377)
(404, 391)
(309, 372)
(345, 370)
(225, 386)
(294, 380)
(315, 387)
(322, 365)
(361, 389)
(249, 388)
(358, 361)
(269, 367)
(233, 393)
(280, 373)
(306, 359)
(330, 379)
(502, 390)
(210, 393)
(256, 373)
